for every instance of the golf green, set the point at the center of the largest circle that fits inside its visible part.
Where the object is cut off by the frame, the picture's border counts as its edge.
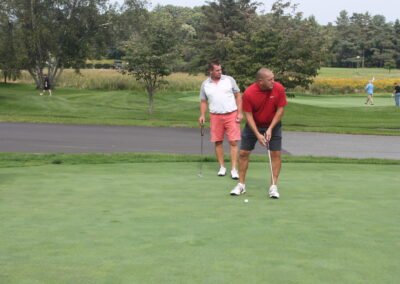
(342, 101)
(161, 223)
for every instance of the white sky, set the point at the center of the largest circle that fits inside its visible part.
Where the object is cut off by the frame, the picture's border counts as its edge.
(324, 10)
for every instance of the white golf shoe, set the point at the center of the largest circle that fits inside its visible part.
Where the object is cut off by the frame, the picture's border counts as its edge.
(222, 171)
(273, 192)
(238, 189)
(234, 174)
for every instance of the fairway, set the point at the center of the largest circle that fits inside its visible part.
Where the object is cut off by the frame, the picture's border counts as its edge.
(342, 101)
(316, 113)
(331, 101)
(161, 223)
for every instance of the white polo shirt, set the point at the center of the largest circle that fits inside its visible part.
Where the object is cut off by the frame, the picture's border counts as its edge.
(221, 95)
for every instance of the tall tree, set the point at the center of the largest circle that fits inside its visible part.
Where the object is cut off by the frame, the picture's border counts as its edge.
(10, 59)
(364, 39)
(396, 42)
(127, 20)
(224, 21)
(383, 49)
(151, 54)
(187, 21)
(59, 34)
(275, 44)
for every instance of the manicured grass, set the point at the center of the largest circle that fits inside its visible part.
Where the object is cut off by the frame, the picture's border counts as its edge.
(28, 160)
(161, 223)
(337, 114)
(366, 73)
(22, 103)
(342, 114)
(345, 101)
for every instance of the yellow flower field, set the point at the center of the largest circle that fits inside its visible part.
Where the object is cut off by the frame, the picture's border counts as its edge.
(349, 85)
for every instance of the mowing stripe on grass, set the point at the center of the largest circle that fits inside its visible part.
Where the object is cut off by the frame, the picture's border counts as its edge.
(161, 223)
(23, 159)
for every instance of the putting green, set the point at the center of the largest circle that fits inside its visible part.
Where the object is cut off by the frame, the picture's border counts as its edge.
(161, 223)
(341, 101)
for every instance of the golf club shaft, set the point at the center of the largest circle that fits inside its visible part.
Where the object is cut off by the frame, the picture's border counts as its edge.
(270, 164)
(201, 150)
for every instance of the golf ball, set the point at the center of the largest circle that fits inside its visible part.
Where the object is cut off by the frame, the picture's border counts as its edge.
(246, 200)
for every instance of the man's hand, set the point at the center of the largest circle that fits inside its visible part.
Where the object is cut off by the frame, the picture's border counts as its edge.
(268, 134)
(202, 120)
(239, 117)
(262, 140)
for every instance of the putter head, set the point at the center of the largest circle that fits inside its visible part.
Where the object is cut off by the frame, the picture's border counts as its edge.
(200, 175)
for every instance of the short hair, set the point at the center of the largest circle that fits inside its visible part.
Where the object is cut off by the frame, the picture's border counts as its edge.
(261, 73)
(212, 64)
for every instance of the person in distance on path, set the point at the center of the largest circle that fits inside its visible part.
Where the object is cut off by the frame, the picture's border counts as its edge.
(263, 106)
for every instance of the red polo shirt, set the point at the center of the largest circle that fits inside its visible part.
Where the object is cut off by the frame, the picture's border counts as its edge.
(263, 104)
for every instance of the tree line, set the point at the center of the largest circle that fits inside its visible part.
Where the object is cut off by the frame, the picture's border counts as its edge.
(51, 35)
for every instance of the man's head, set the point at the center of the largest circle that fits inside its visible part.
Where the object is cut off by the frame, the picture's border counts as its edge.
(215, 70)
(265, 79)
(44, 75)
(395, 84)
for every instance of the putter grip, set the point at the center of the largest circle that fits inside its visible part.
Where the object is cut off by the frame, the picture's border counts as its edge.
(202, 130)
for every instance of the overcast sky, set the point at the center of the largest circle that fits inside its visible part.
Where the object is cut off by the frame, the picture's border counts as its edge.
(324, 11)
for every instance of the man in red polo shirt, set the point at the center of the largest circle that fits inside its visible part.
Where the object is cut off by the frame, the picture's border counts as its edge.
(263, 105)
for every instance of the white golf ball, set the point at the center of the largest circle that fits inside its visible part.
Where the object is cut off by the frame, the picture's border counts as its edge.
(246, 200)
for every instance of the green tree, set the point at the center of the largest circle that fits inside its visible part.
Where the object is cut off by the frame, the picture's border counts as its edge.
(10, 64)
(383, 49)
(365, 36)
(58, 34)
(344, 46)
(224, 21)
(151, 54)
(389, 65)
(187, 21)
(396, 42)
(126, 21)
(275, 44)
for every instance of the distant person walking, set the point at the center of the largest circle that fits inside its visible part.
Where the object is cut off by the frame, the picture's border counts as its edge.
(370, 92)
(45, 85)
(225, 102)
(396, 94)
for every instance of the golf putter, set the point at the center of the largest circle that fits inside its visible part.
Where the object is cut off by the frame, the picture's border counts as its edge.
(202, 130)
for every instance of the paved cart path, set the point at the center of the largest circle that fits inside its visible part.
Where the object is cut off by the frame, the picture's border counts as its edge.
(61, 138)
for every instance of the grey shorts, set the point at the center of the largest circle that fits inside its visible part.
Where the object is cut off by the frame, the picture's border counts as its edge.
(249, 140)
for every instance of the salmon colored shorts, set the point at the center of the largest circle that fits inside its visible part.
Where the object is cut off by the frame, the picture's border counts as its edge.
(224, 124)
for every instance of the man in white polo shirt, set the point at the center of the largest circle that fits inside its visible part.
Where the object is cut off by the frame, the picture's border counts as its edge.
(225, 102)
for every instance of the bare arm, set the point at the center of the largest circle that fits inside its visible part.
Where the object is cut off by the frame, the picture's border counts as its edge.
(277, 118)
(238, 98)
(253, 127)
(203, 109)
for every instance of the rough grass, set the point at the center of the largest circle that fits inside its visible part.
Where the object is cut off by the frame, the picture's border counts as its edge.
(107, 79)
